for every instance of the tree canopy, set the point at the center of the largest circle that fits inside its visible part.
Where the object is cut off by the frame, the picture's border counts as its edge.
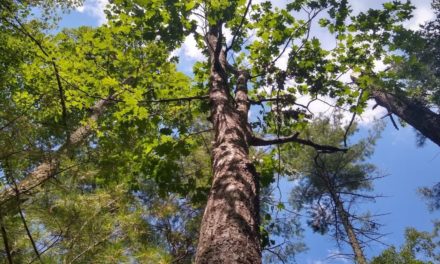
(109, 152)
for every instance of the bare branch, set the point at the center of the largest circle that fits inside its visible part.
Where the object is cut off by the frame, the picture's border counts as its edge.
(61, 92)
(47, 247)
(285, 99)
(239, 27)
(28, 232)
(347, 130)
(359, 195)
(276, 254)
(257, 141)
(5, 241)
(167, 100)
(308, 23)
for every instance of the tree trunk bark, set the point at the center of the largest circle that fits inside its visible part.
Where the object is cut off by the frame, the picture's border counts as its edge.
(230, 227)
(418, 116)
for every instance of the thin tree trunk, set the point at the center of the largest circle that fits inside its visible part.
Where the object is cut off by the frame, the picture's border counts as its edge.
(49, 168)
(343, 215)
(349, 230)
(418, 116)
(5, 240)
(230, 227)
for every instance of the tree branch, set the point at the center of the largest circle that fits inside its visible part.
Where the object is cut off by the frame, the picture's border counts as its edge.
(257, 141)
(285, 99)
(91, 247)
(49, 168)
(243, 18)
(347, 130)
(392, 120)
(61, 92)
(166, 100)
(5, 241)
(28, 232)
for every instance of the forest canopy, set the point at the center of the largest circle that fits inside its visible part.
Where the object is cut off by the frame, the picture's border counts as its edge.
(166, 133)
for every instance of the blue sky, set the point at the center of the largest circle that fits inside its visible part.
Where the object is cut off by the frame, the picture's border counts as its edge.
(408, 167)
(396, 155)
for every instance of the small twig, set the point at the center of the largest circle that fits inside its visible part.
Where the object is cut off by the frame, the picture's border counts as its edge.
(276, 254)
(239, 27)
(284, 99)
(200, 132)
(392, 120)
(347, 130)
(10, 122)
(48, 246)
(97, 243)
(308, 24)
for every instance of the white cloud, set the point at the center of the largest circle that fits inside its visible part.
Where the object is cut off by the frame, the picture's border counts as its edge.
(379, 65)
(190, 50)
(174, 53)
(422, 14)
(228, 35)
(95, 9)
(370, 115)
(80, 9)
(275, 3)
(282, 61)
(317, 107)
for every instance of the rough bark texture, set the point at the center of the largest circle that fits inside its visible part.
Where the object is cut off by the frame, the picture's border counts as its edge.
(50, 167)
(230, 227)
(418, 116)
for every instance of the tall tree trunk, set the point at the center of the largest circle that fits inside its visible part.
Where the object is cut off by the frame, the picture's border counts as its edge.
(49, 168)
(348, 227)
(417, 115)
(352, 238)
(230, 227)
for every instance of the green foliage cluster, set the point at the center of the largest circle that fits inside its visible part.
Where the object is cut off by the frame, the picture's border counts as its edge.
(419, 248)
(415, 65)
(110, 201)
